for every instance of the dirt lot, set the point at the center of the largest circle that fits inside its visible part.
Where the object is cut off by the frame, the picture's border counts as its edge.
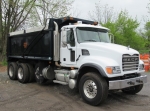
(15, 96)
(3, 68)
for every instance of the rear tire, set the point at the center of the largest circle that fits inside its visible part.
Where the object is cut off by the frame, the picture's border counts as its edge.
(133, 89)
(12, 70)
(93, 88)
(31, 72)
(23, 73)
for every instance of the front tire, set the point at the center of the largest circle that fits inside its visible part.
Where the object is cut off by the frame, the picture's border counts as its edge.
(93, 88)
(133, 89)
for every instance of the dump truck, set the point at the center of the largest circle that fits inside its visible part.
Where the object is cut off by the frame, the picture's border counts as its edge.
(78, 53)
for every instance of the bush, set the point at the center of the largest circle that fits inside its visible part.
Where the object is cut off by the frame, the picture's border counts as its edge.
(144, 51)
(4, 63)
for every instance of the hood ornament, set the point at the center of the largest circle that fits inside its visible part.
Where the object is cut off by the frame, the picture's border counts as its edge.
(128, 47)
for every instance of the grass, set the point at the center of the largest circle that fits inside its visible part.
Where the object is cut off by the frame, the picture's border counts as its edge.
(3, 63)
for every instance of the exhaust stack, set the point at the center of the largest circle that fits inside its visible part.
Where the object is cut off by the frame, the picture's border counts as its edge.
(56, 43)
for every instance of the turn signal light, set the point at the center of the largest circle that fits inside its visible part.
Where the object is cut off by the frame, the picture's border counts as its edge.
(109, 70)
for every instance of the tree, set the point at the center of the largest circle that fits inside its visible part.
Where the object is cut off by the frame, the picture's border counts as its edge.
(1, 26)
(121, 25)
(12, 14)
(125, 33)
(45, 9)
(146, 34)
(102, 13)
(147, 28)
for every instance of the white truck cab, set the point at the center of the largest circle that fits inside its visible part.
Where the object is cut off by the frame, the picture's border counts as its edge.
(90, 46)
(81, 44)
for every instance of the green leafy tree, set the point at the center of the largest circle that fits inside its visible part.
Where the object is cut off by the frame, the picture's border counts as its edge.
(121, 25)
(147, 28)
(147, 35)
(124, 29)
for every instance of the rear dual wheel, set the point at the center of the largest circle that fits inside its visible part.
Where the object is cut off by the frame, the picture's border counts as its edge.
(31, 72)
(24, 72)
(12, 70)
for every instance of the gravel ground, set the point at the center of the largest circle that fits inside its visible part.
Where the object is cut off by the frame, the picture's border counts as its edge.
(15, 96)
(3, 68)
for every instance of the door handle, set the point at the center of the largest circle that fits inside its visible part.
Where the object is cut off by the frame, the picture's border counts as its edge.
(70, 49)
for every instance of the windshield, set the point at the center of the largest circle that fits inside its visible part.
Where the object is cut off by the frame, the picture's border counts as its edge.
(89, 34)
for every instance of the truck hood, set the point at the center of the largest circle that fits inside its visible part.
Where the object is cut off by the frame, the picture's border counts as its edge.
(105, 47)
(105, 54)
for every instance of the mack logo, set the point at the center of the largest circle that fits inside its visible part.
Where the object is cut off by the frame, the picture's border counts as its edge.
(131, 59)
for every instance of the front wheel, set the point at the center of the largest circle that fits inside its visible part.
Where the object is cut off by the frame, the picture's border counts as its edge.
(133, 89)
(93, 88)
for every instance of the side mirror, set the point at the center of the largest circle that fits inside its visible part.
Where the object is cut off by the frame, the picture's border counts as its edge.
(64, 42)
(111, 37)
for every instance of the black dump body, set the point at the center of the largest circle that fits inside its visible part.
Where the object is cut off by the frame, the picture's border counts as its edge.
(37, 45)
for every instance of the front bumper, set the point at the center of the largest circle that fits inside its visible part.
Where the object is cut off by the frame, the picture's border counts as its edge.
(120, 84)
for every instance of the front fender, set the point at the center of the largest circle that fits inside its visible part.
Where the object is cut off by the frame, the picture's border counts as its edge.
(101, 62)
(99, 68)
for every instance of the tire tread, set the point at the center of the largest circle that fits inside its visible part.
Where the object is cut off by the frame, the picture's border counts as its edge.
(101, 82)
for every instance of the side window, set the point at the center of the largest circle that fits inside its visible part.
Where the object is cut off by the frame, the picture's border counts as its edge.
(70, 38)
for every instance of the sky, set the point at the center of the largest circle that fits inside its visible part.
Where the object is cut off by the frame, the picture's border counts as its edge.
(135, 8)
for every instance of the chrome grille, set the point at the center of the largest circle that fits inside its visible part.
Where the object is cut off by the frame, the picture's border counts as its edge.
(130, 62)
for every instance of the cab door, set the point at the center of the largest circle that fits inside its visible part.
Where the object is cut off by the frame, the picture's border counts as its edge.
(68, 49)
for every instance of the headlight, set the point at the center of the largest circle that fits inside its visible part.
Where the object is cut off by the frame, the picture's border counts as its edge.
(141, 67)
(113, 69)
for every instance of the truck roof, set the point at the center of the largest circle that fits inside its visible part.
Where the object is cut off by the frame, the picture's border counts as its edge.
(67, 20)
(60, 21)
(85, 25)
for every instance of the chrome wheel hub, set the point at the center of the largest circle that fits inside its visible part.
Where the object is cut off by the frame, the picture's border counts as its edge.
(20, 73)
(90, 89)
(37, 73)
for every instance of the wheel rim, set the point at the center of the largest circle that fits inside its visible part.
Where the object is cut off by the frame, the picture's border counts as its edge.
(37, 73)
(90, 89)
(11, 71)
(20, 73)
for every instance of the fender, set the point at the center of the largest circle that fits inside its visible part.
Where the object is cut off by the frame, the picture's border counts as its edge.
(99, 68)
(98, 62)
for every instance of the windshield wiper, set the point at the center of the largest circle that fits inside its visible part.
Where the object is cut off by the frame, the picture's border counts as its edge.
(91, 40)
